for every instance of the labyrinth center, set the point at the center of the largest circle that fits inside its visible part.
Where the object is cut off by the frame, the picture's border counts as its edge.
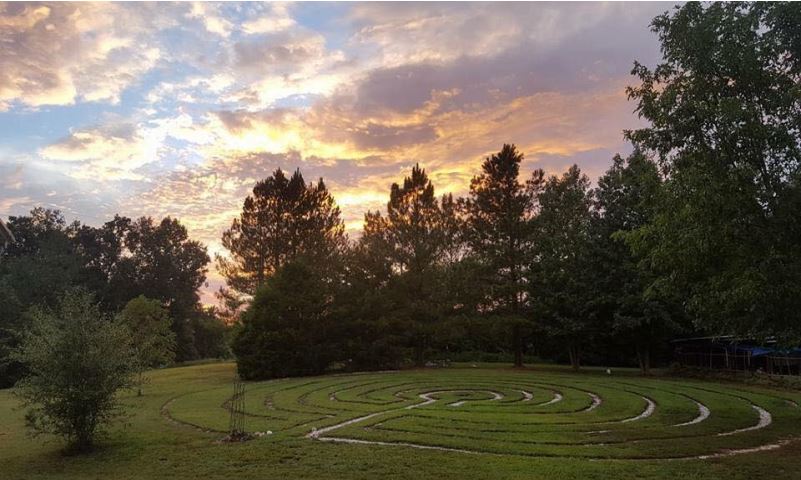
(510, 413)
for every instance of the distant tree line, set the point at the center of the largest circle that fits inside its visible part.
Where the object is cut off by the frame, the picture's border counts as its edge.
(125, 265)
(536, 265)
(697, 231)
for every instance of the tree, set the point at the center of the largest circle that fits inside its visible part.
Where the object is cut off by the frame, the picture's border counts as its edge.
(626, 200)
(152, 338)
(370, 339)
(724, 109)
(414, 244)
(283, 219)
(106, 260)
(167, 266)
(212, 335)
(285, 330)
(42, 262)
(498, 231)
(124, 258)
(11, 328)
(77, 360)
(562, 277)
(35, 270)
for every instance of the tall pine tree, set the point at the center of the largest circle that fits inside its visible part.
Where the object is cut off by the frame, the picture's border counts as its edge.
(498, 231)
(563, 277)
(417, 240)
(283, 219)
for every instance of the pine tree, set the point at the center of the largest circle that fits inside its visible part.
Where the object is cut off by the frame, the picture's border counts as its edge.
(563, 278)
(283, 219)
(413, 245)
(498, 230)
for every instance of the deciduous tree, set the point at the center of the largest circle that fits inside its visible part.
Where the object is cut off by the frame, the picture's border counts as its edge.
(626, 200)
(724, 109)
(562, 276)
(77, 360)
(152, 338)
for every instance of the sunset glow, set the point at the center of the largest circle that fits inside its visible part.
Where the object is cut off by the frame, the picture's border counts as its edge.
(178, 109)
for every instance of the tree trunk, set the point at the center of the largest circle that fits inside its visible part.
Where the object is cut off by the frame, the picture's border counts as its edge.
(575, 356)
(644, 358)
(419, 353)
(518, 344)
(83, 438)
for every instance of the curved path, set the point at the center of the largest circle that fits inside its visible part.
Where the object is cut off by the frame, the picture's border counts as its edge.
(502, 413)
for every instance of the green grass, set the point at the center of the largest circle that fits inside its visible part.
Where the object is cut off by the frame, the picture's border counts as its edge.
(505, 424)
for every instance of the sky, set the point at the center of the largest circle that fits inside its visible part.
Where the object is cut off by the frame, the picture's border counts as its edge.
(178, 109)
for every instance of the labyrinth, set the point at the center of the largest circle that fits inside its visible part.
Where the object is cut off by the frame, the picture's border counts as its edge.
(507, 412)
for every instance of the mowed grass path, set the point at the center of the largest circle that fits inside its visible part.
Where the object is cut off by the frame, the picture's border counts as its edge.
(465, 423)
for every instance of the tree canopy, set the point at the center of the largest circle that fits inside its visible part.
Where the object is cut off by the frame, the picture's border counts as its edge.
(152, 339)
(498, 215)
(283, 219)
(723, 124)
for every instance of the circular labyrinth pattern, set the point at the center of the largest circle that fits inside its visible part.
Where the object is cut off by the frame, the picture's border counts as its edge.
(510, 413)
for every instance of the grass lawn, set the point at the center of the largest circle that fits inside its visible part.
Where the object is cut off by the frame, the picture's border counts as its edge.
(460, 423)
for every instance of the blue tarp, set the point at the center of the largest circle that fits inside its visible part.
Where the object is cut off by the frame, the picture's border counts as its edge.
(761, 351)
(751, 350)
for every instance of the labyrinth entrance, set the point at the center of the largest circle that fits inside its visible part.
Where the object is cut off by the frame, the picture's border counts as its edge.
(498, 412)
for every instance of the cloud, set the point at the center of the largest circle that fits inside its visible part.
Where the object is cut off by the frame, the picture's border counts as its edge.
(28, 183)
(106, 152)
(279, 52)
(414, 32)
(209, 15)
(122, 150)
(271, 18)
(57, 54)
(375, 135)
(193, 103)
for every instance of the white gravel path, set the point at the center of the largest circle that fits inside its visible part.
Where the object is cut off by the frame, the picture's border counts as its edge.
(649, 410)
(703, 414)
(557, 397)
(596, 402)
(765, 419)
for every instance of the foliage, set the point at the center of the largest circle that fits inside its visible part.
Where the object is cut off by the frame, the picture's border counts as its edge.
(411, 248)
(117, 262)
(724, 108)
(562, 277)
(35, 270)
(152, 339)
(627, 199)
(498, 231)
(285, 329)
(11, 328)
(77, 361)
(284, 218)
(212, 336)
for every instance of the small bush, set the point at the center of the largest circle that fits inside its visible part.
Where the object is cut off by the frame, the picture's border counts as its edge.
(77, 361)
